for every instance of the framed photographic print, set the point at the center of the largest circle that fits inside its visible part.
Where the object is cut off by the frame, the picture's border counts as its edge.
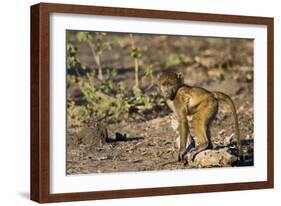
(132, 102)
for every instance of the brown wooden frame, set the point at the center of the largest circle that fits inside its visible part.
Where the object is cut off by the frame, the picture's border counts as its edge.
(40, 96)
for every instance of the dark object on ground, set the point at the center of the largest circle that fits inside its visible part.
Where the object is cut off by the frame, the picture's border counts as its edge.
(122, 138)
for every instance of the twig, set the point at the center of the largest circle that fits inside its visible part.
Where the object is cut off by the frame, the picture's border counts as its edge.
(167, 163)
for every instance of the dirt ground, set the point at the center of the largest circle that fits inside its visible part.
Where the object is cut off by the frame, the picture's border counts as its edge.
(150, 139)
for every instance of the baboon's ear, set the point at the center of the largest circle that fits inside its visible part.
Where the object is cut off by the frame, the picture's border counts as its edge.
(180, 76)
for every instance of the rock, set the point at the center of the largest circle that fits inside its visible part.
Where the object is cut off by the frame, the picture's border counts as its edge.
(216, 74)
(214, 158)
(104, 158)
(229, 140)
(246, 68)
(221, 132)
(248, 137)
(94, 135)
(208, 61)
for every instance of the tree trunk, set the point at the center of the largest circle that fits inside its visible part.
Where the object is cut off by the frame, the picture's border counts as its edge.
(136, 72)
(136, 62)
(100, 76)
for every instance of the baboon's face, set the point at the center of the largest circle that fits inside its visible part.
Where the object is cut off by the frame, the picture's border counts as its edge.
(167, 91)
(168, 84)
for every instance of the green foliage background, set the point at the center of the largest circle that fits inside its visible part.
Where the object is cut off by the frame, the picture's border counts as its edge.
(111, 76)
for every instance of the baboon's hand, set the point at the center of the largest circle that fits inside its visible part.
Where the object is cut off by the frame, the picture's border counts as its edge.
(189, 158)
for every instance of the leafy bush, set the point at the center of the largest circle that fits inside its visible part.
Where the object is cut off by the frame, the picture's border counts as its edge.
(77, 115)
(98, 46)
(178, 59)
(251, 127)
(72, 60)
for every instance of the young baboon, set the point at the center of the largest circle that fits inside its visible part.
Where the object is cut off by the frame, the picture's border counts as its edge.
(195, 109)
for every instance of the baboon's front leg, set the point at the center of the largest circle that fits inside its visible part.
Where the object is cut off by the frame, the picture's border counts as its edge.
(183, 130)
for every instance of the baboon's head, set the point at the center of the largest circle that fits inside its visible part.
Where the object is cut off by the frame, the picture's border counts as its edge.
(169, 83)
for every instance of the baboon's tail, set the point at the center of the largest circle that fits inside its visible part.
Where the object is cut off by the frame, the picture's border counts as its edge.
(225, 98)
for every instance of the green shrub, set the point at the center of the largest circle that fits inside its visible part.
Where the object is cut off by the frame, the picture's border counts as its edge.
(251, 127)
(178, 59)
(97, 44)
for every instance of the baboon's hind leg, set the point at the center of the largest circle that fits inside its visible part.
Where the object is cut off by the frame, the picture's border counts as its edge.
(200, 129)
(201, 141)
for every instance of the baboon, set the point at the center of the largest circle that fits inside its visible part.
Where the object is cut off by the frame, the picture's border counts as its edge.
(195, 108)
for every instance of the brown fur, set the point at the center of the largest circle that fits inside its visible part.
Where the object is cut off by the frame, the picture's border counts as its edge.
(195, 109)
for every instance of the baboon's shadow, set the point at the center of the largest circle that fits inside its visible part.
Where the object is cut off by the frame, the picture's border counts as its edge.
(122, 138)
